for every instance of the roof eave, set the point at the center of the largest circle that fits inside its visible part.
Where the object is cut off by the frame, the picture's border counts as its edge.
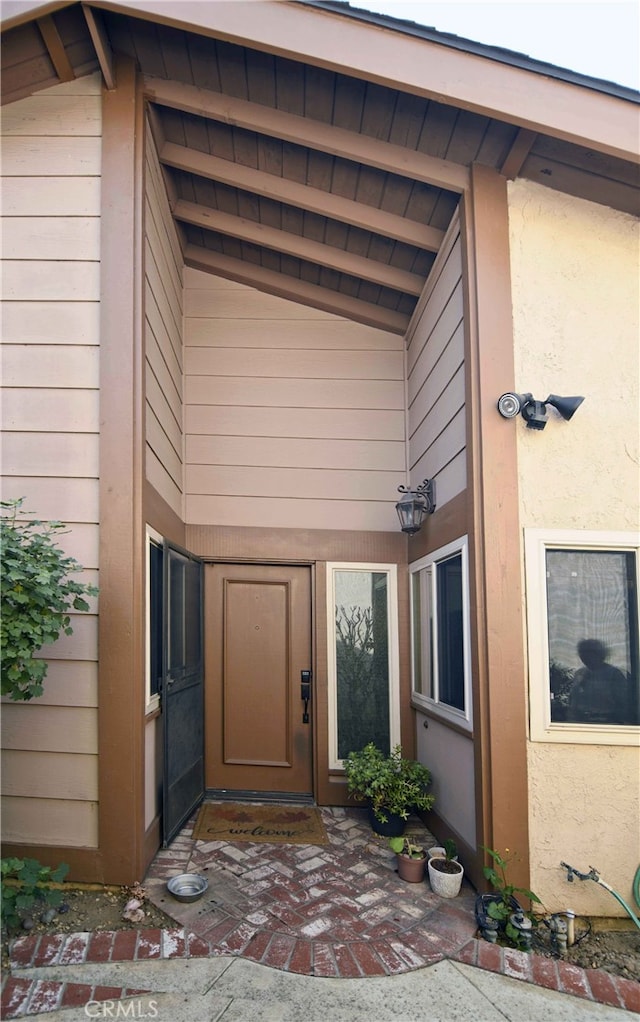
(14, 13)
(495, 53)
(306, 31)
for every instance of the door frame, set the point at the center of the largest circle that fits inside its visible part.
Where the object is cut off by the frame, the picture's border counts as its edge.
(314, 548)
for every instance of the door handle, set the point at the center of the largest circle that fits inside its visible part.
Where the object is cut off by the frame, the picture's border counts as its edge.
(305, 693)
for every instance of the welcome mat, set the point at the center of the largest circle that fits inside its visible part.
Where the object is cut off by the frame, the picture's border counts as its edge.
(280, 825)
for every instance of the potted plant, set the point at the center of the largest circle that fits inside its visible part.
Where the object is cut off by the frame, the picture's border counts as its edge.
(392, 785)
(445, 872)
(410, 858)
(500, 915)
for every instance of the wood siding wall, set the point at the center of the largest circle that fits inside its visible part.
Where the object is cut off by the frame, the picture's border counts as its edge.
(163, 340)
(50, 421)
(294, 417)
(435, 377)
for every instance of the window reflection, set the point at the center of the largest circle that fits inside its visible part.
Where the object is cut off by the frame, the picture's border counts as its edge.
(439, 632)
(593, 636)
(362, 660)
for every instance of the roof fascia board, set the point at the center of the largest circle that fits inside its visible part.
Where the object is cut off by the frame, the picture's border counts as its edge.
(351, 46)
(491, 52)
(425, 68)
(18, 12)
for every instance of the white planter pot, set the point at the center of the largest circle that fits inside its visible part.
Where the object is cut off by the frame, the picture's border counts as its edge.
(447, 885)
(437, 852)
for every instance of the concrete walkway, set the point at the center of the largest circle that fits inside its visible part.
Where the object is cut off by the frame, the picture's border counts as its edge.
(237, 990)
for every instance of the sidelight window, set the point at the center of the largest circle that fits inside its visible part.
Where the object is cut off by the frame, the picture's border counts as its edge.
(363, 658)
(155, 613)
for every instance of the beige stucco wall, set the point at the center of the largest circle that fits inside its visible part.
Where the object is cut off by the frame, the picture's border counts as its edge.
(576, 300)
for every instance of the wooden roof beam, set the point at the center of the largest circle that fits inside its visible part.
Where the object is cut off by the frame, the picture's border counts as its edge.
(520, 149)
(55, 48)
(303, 131)
(295, 290)
(315, 200)
(101, 45)
(295, 245)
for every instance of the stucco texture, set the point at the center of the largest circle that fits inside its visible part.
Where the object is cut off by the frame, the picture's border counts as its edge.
(583, 808)
(576, 305)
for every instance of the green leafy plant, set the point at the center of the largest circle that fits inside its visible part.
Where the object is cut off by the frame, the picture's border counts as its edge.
(505, 902)
(405, 846)
(37, 595)
(26, 889)
(450, 849)
(448, 863)
(393, 785)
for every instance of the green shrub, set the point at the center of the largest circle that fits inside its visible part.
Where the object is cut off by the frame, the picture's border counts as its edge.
(391, 784)
(26, 889)
(37, 596)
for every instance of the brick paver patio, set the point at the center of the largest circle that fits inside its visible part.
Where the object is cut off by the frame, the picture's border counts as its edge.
(338, 910)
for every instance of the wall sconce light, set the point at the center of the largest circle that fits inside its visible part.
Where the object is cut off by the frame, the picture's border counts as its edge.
(535, 412)
(415, 504)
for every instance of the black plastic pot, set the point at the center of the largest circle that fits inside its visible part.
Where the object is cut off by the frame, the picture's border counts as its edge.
(394, 827)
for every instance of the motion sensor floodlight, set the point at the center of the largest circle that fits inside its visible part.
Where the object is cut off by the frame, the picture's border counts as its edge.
(567, 406)
(510, 404)
(535, 412)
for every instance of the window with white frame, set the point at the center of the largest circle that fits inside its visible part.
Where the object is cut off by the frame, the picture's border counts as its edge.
(155, 622)
(362, 615)
(441, 675)
(582, 615)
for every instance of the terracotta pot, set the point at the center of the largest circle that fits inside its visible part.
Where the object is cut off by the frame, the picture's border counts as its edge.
(446, 884)
(411, 869)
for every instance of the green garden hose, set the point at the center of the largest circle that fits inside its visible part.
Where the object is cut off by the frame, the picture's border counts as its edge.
(595, 876)
(636, 887)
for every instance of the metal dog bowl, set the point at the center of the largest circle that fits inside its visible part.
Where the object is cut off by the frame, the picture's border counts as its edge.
(187, 886)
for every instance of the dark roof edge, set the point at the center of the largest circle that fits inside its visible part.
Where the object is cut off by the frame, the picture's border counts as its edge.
(496, 53)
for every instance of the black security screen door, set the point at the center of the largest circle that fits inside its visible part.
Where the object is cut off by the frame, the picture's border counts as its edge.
(182, 690)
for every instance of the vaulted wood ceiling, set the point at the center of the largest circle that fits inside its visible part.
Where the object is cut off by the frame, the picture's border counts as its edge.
(322, 187)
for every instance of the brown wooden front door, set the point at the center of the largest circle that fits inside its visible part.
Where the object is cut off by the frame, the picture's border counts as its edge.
(257, 642)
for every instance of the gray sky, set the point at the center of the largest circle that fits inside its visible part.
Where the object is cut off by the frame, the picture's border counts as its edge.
(600, 39)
